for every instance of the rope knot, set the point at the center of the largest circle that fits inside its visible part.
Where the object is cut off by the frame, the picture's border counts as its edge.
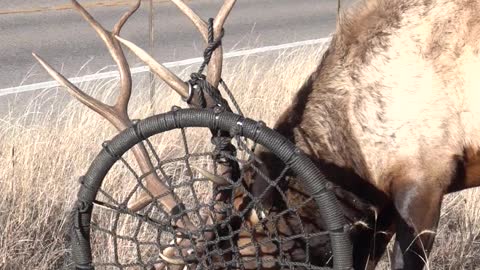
(213, 44)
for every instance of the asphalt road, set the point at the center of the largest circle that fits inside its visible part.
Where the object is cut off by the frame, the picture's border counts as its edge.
(67, 42)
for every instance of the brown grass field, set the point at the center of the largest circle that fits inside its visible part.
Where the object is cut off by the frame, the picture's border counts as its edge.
(44, 151)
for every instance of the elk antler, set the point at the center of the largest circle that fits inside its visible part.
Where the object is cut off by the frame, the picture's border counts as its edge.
(118, 113)
(215, 65)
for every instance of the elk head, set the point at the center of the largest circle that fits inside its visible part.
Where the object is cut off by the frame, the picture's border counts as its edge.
(117, 114)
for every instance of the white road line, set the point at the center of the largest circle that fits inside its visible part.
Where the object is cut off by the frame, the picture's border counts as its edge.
(112, 74)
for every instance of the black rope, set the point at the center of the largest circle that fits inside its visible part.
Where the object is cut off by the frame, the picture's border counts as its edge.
(198, 82)
(200, 90)
(211, 47)
(230, 96)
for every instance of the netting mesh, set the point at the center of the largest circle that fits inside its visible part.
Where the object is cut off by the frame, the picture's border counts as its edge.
(230, 227)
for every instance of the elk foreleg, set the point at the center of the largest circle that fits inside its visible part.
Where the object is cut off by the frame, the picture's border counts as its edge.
(370, 239)
(418, 206)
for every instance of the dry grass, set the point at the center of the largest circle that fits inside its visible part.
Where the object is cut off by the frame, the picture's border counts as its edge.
(47, 146)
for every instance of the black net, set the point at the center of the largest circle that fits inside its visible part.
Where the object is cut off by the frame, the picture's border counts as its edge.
(231, 228)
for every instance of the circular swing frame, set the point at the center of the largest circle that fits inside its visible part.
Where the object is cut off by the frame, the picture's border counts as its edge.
(312, 178)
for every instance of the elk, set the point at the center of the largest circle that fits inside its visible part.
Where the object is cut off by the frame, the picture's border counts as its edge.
(389, 115)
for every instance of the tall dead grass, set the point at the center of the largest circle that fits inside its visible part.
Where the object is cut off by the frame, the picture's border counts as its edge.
(50, 143)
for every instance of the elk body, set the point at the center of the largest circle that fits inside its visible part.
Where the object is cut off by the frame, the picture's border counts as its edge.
(392, 115)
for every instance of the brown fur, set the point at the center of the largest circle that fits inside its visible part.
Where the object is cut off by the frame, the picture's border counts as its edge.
(472, 168)
(391, 113)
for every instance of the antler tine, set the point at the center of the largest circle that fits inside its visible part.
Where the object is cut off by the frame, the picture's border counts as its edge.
(222, 15)
(118, 26)
(97, 106)
(164, 73)
(215, 68)
(196, 20)
(116, 52)
(201, 24)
